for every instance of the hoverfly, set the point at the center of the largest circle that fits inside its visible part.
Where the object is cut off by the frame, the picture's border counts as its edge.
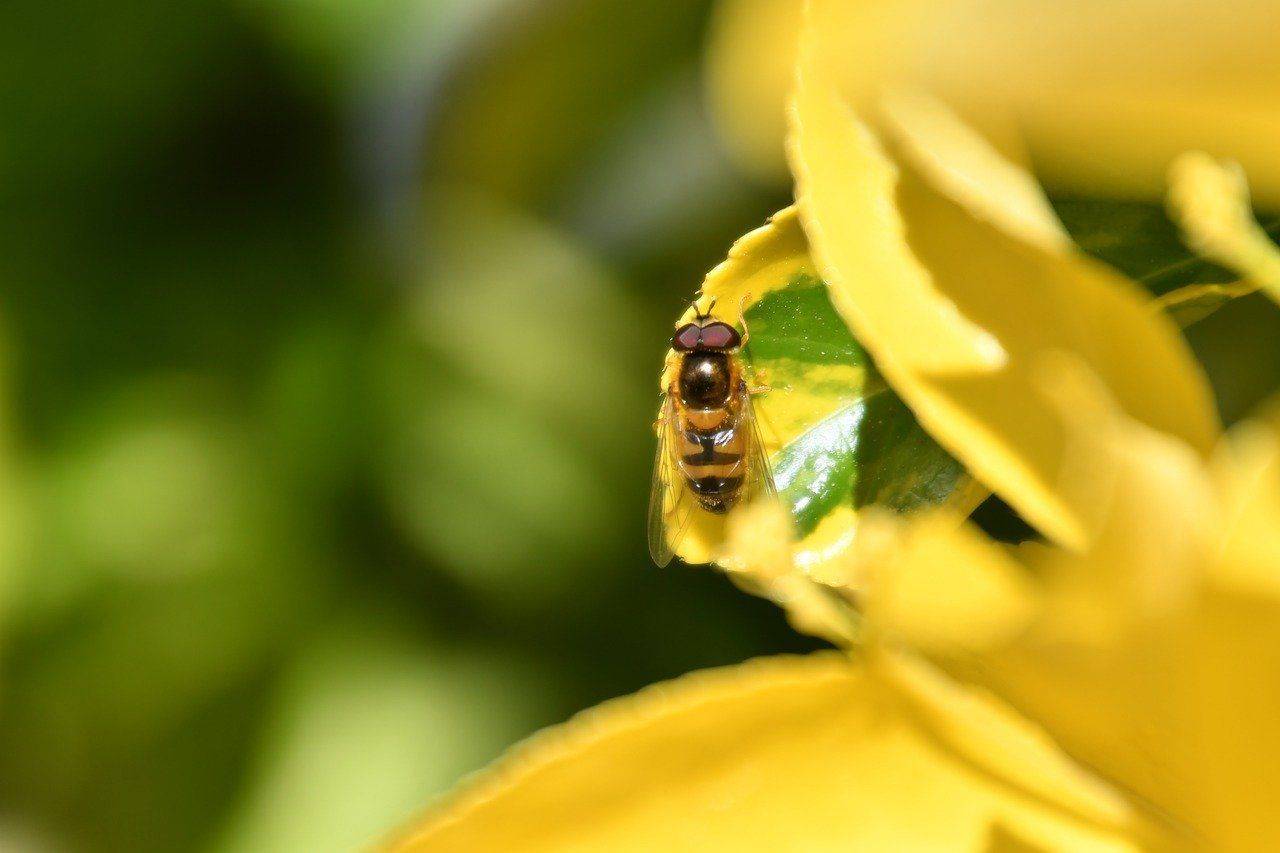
(710, 455)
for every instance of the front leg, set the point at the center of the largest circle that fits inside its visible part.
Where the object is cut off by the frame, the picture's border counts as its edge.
(757, 381)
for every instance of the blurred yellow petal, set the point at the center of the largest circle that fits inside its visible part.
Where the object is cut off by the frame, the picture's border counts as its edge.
(958, 161)
(760, 556)
(1226, 690)
(1102, 646)
(1225, 681)
(943, 586)
(1190, 682)
(957, 311)
(780, 754)
(1230, 687)
(1105, 94)
(759, 542)
(1247, 470)
(982, 730)
(1146, 496)
(1128, 659)
(1210, 200)
(1151, 657)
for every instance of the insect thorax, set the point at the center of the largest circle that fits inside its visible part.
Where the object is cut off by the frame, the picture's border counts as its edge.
(706, 380)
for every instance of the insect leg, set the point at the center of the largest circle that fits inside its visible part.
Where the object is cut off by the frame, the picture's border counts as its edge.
(742, 316)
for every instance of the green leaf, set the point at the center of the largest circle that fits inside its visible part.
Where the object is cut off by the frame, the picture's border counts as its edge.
(1138, 239)
(869, 448)
(800, 323)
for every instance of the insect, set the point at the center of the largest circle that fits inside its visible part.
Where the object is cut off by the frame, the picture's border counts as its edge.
(710, 455)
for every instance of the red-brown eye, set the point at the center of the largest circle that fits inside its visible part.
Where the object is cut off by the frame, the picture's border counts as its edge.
(686, 338)
(720, 336)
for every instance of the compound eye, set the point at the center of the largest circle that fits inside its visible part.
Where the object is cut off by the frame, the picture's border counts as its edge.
(686, 338)
(720, 336)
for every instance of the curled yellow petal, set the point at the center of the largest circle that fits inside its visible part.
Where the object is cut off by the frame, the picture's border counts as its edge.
(1100, 659)
(845, 184)
(781, 754)
(760, 554)
(1210, 200)
(959, 162)
(957, 309)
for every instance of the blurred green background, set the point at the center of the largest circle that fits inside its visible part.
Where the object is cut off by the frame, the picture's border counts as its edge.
(330, 335)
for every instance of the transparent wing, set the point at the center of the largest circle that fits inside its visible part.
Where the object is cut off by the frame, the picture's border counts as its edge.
(759, 474)
(670, 508)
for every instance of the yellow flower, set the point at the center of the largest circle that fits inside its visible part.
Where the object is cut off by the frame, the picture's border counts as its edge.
(1112, 688)
(945, 260)
(1151, 657)
(1143, 671)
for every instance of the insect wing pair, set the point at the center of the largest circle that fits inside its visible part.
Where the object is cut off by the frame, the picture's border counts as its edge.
(675, 499)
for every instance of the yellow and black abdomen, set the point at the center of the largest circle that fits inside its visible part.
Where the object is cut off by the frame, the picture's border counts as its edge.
(710, 444)
(711, 462)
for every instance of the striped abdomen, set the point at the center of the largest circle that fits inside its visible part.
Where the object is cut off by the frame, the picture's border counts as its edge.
(711, 449)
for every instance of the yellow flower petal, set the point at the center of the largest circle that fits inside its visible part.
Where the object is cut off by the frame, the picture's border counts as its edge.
(1211, 201)
(1184, 683)
(760, 556)
(1146, 494)
(835, 157)
(980, 729)
(956, 313)
(1101, 664)
(1227, 693)
(942, 586)
(1247, 470)
(959, 162)
(1104, 94)
(783, 754)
